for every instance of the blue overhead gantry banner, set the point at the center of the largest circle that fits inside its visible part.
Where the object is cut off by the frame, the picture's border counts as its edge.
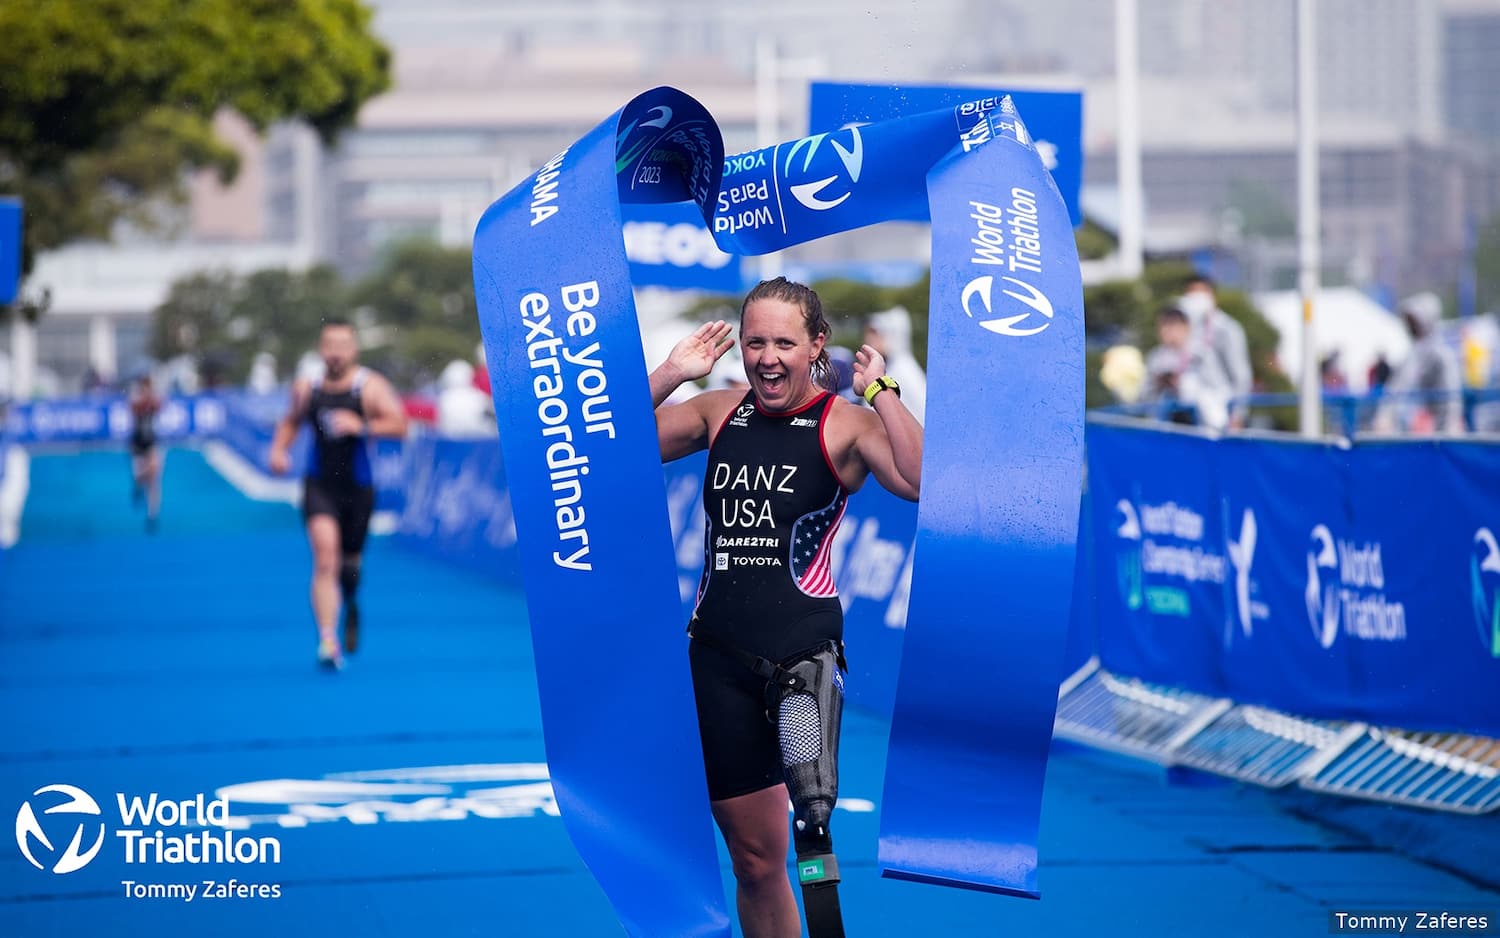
(1054, 118)
(1344, 582)
(590, 510)
(669, 245)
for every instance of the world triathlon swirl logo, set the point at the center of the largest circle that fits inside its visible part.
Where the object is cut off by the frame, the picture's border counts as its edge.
(1484, 578)
(823, 188)
(32, 838)
(1322, 593)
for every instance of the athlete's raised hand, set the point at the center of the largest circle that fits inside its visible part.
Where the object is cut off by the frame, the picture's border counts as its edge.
(695, 355)
(868, 365)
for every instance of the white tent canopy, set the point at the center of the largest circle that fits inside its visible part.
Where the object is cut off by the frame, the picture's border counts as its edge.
(1347, 321)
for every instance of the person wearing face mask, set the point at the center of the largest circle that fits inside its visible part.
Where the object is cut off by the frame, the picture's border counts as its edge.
(1431, 367)
(1222, 337)
(1184, 380)
(767, 632)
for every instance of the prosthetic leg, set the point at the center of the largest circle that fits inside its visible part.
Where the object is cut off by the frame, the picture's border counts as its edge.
(807, 705)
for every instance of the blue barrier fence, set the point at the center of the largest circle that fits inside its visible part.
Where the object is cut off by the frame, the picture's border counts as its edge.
(1343, 581)
(243, 422)
(1334, 580)
(106, 417)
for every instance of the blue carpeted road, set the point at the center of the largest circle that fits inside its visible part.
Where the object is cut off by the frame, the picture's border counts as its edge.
(406, 794)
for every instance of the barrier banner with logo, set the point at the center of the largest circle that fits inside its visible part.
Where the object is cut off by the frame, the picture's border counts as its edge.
(1361, 581)
(457, 505)
(1055, 119)
(107, 418)
(1160, 564)
(1282, 500)
(992, 585)
(581, 456)
(1411, 571)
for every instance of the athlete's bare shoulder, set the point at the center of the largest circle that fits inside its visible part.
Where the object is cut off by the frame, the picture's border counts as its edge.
(846, 421)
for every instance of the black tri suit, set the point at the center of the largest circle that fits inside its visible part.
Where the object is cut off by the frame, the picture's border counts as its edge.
(338, 480)
(773, 503)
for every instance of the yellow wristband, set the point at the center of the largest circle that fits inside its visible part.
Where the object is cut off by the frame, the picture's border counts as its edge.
(880, 384)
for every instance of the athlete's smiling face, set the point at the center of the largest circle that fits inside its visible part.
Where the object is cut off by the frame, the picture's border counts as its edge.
(779, 354)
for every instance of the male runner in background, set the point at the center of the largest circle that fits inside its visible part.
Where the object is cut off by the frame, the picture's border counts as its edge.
(347, 406)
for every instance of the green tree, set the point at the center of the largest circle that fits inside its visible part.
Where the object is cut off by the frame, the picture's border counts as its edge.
(1259, 209)
(195, 316)
(282, 312)
(1124, 312)
(104, 104)
(422, 298)
(227, 320)
(1094, 243)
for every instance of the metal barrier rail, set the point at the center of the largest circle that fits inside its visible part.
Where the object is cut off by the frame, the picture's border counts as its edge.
(1448, 772)
(1130, 716)
(1261, 746)
(1343, 413)
(1173, 727)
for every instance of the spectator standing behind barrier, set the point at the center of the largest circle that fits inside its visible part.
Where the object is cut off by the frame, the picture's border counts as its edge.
(1222, 337)
(1332, 375)
(889, 333)
(1431, 367)
(1379, 374)
(463, 411)
(1183, 377)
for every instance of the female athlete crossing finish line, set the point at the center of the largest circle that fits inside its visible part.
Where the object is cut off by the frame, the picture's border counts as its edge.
(768, 626)
(584, 432)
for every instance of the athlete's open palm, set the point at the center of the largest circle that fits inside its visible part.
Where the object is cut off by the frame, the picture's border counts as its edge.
(695, 355)
(868, 365)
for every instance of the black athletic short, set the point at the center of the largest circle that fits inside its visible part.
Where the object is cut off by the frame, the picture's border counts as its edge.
(740, 751)
(350, 506)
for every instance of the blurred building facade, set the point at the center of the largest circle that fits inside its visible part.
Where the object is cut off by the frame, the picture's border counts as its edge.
(486, 92)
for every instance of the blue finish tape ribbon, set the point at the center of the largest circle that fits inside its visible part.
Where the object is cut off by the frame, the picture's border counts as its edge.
(996, 527)
(579, 440)
(1000, 494)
